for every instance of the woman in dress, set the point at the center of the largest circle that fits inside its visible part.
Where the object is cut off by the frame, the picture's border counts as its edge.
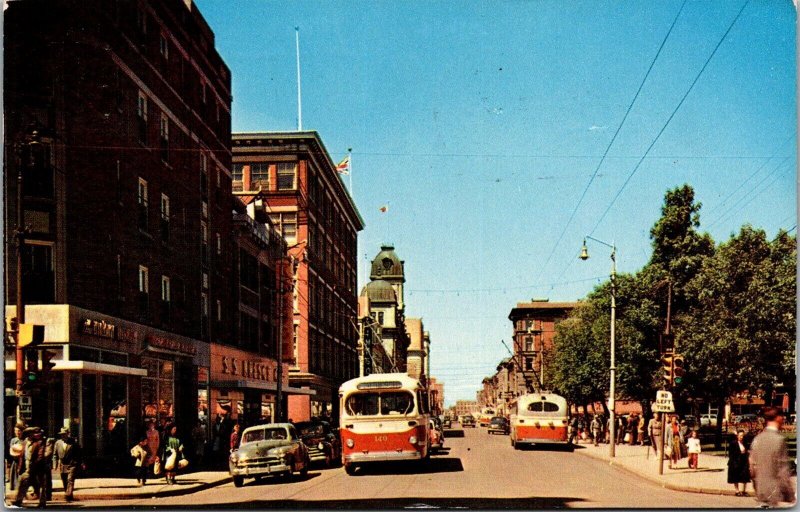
(739, 463)
(171, 445)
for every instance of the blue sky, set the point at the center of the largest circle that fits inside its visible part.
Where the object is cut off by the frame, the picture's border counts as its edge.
(481, 124)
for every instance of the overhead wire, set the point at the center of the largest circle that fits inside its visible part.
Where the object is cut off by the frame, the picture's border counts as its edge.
(613, 139)
(669, 119)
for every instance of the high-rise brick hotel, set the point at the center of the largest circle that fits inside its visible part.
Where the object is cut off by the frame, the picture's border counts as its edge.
(157, 279)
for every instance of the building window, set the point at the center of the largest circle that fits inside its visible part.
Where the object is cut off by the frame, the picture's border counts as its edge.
(219, 244)
(164, 218)
(205, 210)
(203, 92)
(287, 173)
(165, 299)
(141, 21)
(142, 201)
(528, 364)
(205, 281)
(528, 343)
(286, 224)
(163, 46)
(204, 174)
(164, 137)
(38, 278)
(141, 117)
(144, 288)
(204, 242)
(204, 314)
(219, 310)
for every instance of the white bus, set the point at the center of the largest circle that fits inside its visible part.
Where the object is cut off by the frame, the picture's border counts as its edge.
(540, 418)
(384, 417)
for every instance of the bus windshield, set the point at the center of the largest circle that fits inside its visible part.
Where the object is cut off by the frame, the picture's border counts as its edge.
(388, 403)
(545, 408)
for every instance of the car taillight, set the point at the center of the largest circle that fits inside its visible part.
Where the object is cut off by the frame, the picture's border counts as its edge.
(412, 439)
(320, 446)
(350, 443)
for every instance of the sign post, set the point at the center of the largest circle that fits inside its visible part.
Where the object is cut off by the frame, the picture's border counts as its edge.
(664, 404)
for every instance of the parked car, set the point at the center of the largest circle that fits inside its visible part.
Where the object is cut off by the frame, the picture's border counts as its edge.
(269, 449)
(499, 424)
(436, 434)
(707, 420)
(322, 442)
(744, 418)
(447, 423)
(468, 421)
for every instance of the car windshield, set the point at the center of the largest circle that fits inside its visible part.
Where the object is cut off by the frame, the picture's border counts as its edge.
(264, 433)
(309, 429)
(388, 403)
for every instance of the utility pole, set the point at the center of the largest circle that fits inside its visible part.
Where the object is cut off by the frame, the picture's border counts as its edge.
(667, 338)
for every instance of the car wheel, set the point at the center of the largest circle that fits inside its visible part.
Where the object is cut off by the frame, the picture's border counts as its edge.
(238, 481)
(350, 469)
(306, 463)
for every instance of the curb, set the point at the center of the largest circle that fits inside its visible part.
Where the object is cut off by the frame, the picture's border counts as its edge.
(161, 493)
(658, 481)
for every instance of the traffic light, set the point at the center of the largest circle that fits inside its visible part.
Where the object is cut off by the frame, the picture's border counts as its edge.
(678, 369)
(32, 375)
(666, 368)
(30, 335)
(47, 364)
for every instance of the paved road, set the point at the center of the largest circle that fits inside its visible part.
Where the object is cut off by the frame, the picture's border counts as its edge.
(477, 470)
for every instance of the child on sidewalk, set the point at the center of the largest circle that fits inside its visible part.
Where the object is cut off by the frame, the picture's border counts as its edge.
(139, 453)
(693, 448)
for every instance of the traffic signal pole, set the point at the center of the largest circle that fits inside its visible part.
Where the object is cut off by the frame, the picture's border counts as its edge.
(20, 351)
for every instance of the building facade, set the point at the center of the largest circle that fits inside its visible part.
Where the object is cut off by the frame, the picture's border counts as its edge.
(118, 119)
(309, 205)
(534, 329)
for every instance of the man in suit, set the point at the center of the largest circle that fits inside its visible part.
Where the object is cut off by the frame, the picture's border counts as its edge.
(769, 463)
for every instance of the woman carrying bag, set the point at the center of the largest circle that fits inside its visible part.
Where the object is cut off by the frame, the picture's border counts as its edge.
(173, 454)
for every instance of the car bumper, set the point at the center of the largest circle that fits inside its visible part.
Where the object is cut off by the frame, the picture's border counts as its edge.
(381, 456)
(260, 470)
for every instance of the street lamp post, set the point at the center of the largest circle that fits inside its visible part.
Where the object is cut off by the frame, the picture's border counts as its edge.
(613, 370)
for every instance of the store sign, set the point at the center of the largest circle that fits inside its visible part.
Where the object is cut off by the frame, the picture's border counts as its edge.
(103, 329)
(172, 344)
(255, 370)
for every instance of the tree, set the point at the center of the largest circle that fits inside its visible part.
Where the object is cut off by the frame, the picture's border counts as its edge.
(741, 334)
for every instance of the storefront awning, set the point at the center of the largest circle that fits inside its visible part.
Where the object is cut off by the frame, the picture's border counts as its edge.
(88, 366)
(257, 384)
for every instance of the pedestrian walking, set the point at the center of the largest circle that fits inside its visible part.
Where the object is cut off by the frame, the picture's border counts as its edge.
(622, 427)
(654, 431)
(673, 448)
(738, 463)
(140, 455)
(223, 426)
(153, 437)
(36, 467)
(573, 429)
(15, 455)
(68, 459)
(199, 442)
(693, 449)
(640, 429)
(235, 437)
(595, 426)
(769, 463)
(172, 454)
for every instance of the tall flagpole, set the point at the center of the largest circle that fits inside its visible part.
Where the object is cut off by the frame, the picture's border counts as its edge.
(299, 96)
(350, 156)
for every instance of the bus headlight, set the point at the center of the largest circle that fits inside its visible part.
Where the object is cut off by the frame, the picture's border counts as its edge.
(350, 443)
(412, 439)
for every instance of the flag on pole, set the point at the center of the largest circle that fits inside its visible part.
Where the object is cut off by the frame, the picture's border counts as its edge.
(343, 167)
(384, 208)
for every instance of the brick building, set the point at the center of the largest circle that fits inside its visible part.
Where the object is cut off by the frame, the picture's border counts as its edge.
(118, 115)
(309, 205)
(534, 328)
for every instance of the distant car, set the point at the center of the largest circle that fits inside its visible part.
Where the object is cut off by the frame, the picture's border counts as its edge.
(744, 418)
(468, 421)
(499, 424)
(447, 423)
(269, 449)
(322, 442)
(436, 434)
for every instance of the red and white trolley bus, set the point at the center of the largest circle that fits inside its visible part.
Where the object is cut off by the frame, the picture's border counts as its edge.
(384, 417)
(540, 418)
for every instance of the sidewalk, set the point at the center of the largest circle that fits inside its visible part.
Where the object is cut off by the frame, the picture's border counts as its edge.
(711, 477)
(127, 488)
